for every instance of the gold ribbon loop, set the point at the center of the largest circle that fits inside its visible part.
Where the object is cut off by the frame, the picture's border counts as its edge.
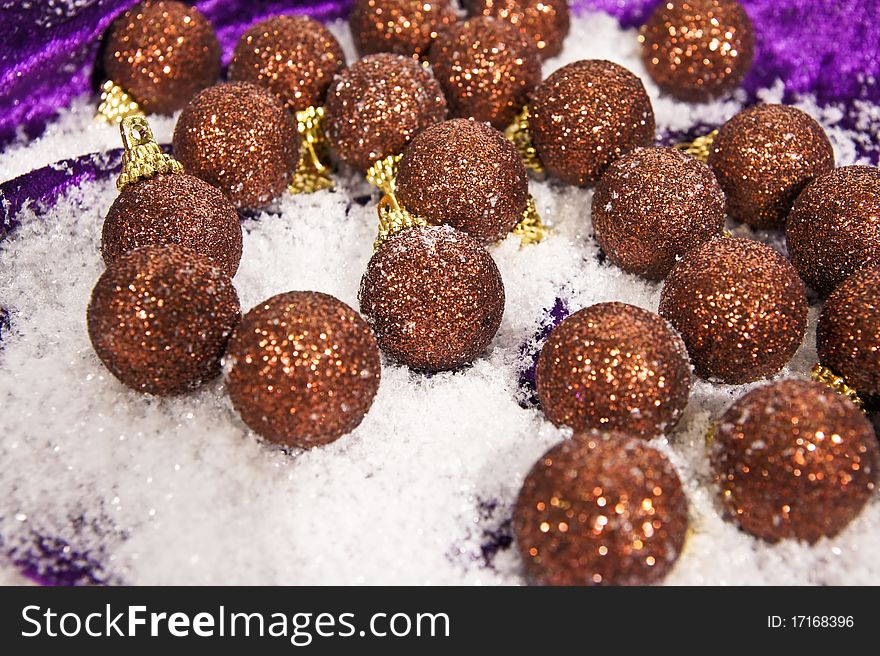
(142, 157)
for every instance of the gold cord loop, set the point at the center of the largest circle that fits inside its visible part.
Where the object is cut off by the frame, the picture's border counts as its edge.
(311, 173)
(142, 157)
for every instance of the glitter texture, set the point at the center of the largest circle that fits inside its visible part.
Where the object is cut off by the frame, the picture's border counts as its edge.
(174, 209)
(740, 308)
(834, 226)
(403, 27)
(239, 138)
(303, 369)
(763, 157)
(434, 297)
(698, 49)
(295, 57)
(600, 509)
(378, 105)
(486, 68)
(848, 333)
(617, 367)
(586, 115)
(653, 205)
(544, 23)
(159, 318)
(794, 460)
(466, 175)
(162, 53)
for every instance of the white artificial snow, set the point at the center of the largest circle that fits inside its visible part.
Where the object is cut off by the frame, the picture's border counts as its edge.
(179, 491)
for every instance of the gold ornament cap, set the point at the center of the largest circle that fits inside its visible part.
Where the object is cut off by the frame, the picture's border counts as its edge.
(311, 173)
(393, 217)
(142, 157)
(519, 134)
(530, 228)
(116, 104)
(700, 147)
(824, 375)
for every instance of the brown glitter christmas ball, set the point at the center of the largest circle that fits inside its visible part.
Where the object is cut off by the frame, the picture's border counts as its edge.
(652, 206)
(303, 369)
(295, 57)
(377, 105)
(600, 509)
(586, 115)
(162, 54)
(544, 23)
(174, 209)
(698, 49)
(848, 332)
(239, 138)
(403, 27)
(486, 68)
(834, 226)
(464, 174)
(434, 297)
(740, 308)
(159, 318)
(614, 366)
(794, 460)
(763, 157)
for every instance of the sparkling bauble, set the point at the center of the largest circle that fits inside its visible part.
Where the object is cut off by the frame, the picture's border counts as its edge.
(162, 54)
(378, 105)
(159, 318)
(544, 23)
(239, 138)
(614, 366)
(464, 174)
(763, 157)
(295, 57)
(586, 115)
(834, 226)
(698, 49)
(486, 68)
(174, 209)
(740, 308)
(303, 369)
(794, 460)
(848, 332)
(600, 509)
(404, 27)
(434, 296)
(653, 205)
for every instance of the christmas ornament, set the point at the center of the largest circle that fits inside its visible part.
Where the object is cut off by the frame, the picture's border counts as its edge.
(296, 58)
(848, 332)
(698, 49)
(486, 68)
(544, 23)
(156, 208)
(794, 460)
(157, 56)
(378, 105)
(403, 27)
(600, 509)
(834, 226)
(239, 138)
(763, 157)
(303, 368)
(159, 318)
(614, 366)
(434, 297)
(582, 118)
(653, 205)
(740, 308)
(464, 174)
